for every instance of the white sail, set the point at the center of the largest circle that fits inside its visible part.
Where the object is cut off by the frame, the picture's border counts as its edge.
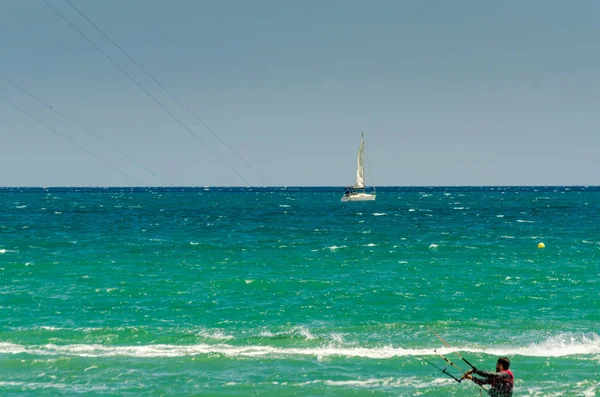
(358, 192)
(360, 170)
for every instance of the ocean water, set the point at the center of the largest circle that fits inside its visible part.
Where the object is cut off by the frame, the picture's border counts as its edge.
(289, 292)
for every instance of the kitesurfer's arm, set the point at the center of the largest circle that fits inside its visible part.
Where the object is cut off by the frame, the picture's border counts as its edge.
(479, 381)
(487, 374)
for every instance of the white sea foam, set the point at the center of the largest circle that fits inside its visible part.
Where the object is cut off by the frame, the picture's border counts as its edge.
(384, 382)
(162, 350)
(524, 221)
(47, 328)
(379, 214)
(335, 247)
(296, 332)
(337, 337)
(433, 246)
(33, 385)
(214, 335)
(561, 345)
(303, 332)
(51, 385)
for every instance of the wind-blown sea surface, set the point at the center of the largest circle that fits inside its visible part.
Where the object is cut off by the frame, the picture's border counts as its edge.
(288, 291)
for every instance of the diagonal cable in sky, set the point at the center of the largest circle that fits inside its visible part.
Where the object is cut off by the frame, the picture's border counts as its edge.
(165, 89)
(69, 139)
(44, 103)
(173, 116)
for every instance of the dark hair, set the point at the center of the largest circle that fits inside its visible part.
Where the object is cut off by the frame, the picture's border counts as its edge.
(505, 362)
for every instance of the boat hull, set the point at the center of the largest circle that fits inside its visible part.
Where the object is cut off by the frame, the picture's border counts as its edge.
(359, 197)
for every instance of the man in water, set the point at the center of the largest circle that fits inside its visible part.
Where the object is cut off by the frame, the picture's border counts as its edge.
(502, 381)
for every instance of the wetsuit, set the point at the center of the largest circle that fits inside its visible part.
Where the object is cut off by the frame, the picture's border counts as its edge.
(502, 382)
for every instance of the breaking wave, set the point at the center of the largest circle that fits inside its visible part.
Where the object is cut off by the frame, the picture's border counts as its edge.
(564, 344)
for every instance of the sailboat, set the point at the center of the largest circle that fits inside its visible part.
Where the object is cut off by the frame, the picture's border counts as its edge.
(358, 192)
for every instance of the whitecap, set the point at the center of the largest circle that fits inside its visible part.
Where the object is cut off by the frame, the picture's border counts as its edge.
(337, 337)
(304, 332)
(80, 389)
(214, 335)
(561, 345)
(413, 382)
(335, 247)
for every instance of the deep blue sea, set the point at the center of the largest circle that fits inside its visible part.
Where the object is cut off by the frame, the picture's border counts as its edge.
(290, 292)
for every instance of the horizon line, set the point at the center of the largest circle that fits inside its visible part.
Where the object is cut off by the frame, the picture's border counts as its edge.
(267, 187)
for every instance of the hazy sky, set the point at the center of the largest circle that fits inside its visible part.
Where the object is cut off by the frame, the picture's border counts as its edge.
(446, 92)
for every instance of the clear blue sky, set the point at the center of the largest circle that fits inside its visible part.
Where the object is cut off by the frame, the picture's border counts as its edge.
(447, 93)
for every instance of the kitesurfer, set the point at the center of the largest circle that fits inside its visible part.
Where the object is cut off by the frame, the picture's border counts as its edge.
(501, 381)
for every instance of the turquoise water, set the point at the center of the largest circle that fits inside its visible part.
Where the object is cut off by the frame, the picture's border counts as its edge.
(281, 292)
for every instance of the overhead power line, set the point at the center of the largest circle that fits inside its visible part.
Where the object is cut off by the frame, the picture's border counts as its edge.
(69, 139)
(53, 109)
(143, 69)
(173, 116)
